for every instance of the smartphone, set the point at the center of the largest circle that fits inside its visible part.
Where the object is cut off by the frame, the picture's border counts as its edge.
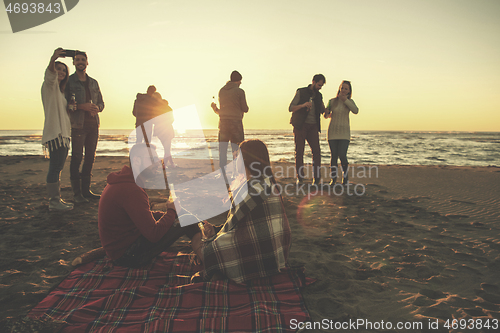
(69, 53)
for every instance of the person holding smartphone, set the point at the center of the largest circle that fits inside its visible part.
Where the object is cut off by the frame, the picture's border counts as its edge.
(57, 127)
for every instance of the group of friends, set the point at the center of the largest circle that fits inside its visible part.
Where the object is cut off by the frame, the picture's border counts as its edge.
(254, 241)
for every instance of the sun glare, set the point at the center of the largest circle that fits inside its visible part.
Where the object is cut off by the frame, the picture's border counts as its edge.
(186, 118)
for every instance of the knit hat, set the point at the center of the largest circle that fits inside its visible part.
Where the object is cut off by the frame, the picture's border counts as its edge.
(236, 76)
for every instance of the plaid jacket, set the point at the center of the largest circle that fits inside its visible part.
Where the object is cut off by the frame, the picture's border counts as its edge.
(255, 240)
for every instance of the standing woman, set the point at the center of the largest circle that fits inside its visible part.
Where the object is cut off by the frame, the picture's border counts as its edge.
(339, 130)
(57, 127)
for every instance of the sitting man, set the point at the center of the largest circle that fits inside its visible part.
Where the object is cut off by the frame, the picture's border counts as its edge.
(130, 233)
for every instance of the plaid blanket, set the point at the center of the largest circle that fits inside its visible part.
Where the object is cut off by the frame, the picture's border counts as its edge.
(100, 297)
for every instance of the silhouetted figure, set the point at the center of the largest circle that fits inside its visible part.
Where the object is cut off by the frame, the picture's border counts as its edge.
(306, 107)
(57, 127)
(153, 112)
(84, 126)
(233, 106)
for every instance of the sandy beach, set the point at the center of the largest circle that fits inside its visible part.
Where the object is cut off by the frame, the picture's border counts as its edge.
(407, 244)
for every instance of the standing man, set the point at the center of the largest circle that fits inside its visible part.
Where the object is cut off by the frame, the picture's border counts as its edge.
(306, 108)
(84, 126)
(233, 106)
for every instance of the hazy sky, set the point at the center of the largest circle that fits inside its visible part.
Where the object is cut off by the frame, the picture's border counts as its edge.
(414, 65)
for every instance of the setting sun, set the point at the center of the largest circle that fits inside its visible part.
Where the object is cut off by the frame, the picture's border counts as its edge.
(186, 118)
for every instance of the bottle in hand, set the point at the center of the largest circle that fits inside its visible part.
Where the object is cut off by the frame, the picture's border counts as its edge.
(72, 103)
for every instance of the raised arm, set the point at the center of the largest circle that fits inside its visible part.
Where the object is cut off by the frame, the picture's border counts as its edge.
(58, 53)
(352, 106)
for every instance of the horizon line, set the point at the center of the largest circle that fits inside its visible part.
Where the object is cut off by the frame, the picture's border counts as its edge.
(291, 129)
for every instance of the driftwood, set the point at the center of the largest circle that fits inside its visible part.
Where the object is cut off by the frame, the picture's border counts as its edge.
(89, 256)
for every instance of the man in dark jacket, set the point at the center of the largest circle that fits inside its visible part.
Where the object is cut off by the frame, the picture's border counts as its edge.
(84, 126)
(233, 106)
(306, 107)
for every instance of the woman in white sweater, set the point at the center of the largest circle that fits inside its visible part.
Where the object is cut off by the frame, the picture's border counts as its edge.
(339, 131)
(57, 127)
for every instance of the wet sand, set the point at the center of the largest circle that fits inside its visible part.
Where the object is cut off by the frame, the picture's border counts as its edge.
(402, 244)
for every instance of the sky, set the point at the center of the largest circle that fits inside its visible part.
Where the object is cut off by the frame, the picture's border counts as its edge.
(427, 65)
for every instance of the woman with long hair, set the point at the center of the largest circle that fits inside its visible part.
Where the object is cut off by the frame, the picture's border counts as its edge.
(339, 130)
(254, 241)
(57, 127)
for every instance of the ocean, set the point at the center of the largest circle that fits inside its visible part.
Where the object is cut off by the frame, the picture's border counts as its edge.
(366, 147)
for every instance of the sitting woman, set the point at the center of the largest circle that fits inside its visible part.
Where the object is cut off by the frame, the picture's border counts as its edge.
(254, 242)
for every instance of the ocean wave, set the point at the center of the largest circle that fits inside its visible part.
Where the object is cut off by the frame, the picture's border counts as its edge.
(403, 148)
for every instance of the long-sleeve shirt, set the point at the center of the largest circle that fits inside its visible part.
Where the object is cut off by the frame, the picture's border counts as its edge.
(57, 126)
(339, 128)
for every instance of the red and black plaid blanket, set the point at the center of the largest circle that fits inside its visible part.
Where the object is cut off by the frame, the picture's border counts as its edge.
(100, 297)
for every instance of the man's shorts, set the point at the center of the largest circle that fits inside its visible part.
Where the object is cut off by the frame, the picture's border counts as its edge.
(231, 131)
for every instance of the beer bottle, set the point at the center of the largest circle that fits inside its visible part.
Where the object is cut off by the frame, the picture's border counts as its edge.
(72, 103)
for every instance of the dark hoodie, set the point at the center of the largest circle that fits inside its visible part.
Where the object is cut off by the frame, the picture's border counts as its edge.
(233, 103)
(147, 107)
(124, 215)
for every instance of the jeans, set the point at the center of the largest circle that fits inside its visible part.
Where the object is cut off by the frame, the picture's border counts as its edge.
(56, 163)
(83, 137)
(309, 133)
(338, 149)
